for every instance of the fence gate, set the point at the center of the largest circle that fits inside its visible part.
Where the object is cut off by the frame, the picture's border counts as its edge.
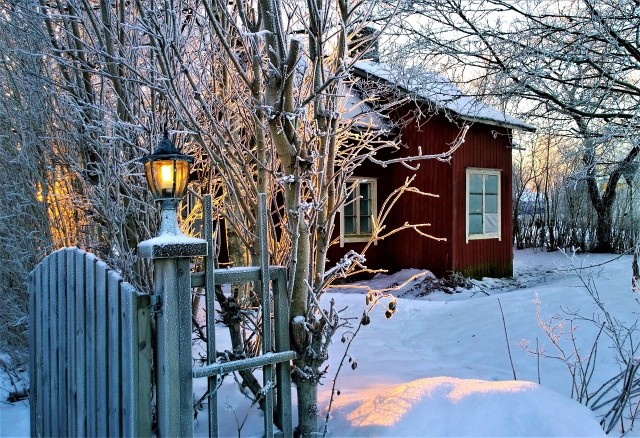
(90, 345)
(275, 359)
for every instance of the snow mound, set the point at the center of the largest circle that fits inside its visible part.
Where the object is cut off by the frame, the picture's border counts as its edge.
(448, 406)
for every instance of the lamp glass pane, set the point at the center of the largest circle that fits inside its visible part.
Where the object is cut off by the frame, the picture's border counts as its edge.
(167, 179)
(182, 177)
(148, 173)
(163, 178)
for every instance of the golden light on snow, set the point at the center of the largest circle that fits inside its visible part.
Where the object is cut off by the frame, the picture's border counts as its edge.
(386, 408)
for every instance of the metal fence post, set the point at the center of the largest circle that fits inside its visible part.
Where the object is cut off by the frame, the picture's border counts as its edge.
(172, 297)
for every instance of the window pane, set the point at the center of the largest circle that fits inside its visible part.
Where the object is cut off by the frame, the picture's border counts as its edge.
(491, 184)
(365, 207)
(365, 225)
(349, 225)
(475, 204)
(491, 223)
(475, 224)
(349, 209)
(491, 204)
(365, 190)
(475, 183)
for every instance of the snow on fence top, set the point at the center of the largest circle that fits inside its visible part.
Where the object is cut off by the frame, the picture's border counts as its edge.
(441, 92)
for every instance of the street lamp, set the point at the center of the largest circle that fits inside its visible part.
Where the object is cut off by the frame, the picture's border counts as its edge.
(167, 172)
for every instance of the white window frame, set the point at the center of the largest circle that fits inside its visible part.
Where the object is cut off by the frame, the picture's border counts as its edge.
(355, 182)
(484, 172)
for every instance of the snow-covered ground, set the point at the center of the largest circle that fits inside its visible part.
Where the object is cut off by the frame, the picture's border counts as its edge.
(441, 365)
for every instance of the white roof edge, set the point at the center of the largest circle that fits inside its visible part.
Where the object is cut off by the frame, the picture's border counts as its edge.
(513, 124)
(446, 95)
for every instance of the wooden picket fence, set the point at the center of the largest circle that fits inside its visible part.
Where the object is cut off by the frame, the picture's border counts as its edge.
(90, 350)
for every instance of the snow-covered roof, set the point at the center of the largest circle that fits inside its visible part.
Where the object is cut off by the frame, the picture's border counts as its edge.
(441, 92)
(354, 109)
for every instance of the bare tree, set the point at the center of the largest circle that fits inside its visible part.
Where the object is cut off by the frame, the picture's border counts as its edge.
(260, 92)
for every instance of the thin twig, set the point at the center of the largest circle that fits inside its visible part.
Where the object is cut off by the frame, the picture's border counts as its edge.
(506, 337)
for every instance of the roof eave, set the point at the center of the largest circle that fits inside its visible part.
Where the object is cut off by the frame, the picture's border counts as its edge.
(517, 126)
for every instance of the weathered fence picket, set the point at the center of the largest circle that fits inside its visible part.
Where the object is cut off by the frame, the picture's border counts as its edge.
(90, 350)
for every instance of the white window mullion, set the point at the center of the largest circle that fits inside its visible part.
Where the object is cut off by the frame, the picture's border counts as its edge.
(356, 201)
(484, 204)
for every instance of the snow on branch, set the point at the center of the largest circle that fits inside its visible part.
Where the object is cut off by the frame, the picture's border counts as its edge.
(342, 267)
(443, 156)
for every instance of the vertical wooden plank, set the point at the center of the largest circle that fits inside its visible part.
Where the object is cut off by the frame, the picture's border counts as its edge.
(42, 280)
(80, 334)
(265, 299)
(128, 361)
(185, 346)
(210, 286)
(136, 363)
(142, 365)
(70, 340)
(283, 369)
(90, 344)
(61, 392)
(33, 352)
(101, 360)
(53, 347)
(114, 352)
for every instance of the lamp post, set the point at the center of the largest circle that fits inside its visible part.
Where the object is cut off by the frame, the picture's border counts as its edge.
(167, 172)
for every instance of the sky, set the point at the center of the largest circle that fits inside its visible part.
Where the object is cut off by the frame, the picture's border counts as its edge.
(441, 365)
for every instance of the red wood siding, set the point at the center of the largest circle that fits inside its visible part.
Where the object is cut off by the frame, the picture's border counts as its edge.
(408, 249)
(485, 147)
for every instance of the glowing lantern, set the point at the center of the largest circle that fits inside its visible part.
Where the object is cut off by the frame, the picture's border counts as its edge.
(167, 172)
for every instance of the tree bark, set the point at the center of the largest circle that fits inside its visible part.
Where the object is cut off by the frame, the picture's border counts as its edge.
(603, 230)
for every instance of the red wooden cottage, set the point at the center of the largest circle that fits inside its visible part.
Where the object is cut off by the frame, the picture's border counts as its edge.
(473, 208)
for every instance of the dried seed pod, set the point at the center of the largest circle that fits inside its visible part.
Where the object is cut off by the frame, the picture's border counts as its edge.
(365, 319)
(354, 365)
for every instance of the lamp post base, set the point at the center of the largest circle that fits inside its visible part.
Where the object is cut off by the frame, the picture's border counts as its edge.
(171, 252)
